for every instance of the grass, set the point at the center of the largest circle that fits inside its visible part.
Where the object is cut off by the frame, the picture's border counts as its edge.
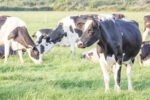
(61, 76)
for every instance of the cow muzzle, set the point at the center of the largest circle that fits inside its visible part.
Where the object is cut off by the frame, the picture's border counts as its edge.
(83, 56)
(80, 45)
(36, 43)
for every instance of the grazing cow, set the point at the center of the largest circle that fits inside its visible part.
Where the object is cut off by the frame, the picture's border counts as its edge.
(2, 51)
(40, 34)
(14, 34)
(68, 33)
(146, 26)
(91, 55)
(118, 42)
(118, 16)
(144, 54)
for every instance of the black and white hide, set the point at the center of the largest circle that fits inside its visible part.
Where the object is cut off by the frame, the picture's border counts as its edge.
(2, 52)
(41, 34)
(91, 55)
(118, 42)
(144, 54)
(14, 34)
(146, 27)
(68, 33)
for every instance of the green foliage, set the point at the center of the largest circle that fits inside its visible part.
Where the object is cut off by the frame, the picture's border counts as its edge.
(61, 76)
(69, 5)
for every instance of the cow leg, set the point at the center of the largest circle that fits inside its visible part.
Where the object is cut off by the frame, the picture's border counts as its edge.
(129, 74)
(145, 34)
(104, 68)
(20, 56)
(72, 47)
(7, 49)
(117, 75)
(139, 58)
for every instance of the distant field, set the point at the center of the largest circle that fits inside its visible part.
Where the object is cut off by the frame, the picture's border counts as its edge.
(61, 76)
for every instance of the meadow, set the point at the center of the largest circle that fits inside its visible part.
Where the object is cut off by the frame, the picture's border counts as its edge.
(62, 76)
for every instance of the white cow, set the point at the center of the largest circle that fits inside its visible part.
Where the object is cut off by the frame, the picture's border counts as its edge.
(14, 34)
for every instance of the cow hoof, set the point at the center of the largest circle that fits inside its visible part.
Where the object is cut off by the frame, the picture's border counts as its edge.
(117, 88)
(40, 62)
(106, 90)
(22, 62)
(130, 89)
(5, 62)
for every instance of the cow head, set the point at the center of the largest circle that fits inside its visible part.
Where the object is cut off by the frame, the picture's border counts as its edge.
(22, 41)
(39, 36)
(118, 16)
(89, 35)
(35, 55)
(51, 40)
(57, 35)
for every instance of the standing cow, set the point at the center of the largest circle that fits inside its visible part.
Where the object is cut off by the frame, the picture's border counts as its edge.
(68, 33)
(118, 42)
(146, 27)
(14, 34)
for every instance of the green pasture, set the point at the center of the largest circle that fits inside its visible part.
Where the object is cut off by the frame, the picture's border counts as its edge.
(63, 77)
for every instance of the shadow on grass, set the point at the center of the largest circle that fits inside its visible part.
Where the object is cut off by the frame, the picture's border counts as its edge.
(141, 86)
(66, 84)
(10, 68)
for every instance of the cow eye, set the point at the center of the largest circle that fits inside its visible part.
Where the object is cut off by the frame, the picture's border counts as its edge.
(91, 31)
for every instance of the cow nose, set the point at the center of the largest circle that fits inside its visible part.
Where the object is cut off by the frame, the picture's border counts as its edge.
(80, 45)
(36, 43)
(38, 62)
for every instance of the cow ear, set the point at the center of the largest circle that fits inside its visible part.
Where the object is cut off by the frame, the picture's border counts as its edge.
(35, 50)
(13, 34)
(95, 24)
(80, 25)
(45, 35)
(34, 36)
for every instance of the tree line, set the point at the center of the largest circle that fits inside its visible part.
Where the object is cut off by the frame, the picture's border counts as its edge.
(70, 5)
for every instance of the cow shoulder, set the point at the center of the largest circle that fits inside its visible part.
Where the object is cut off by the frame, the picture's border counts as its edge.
(13, 34)
(20, 35)
(3, 20)
(110, 32)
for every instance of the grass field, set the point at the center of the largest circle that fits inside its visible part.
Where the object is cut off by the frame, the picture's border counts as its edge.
(63, 77)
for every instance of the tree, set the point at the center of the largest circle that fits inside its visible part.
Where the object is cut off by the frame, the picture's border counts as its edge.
(141, 2)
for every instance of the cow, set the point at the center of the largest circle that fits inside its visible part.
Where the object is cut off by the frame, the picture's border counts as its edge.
(68, 33)
(146, 27)
(118, 42)
(144, 54)
(91, 55)
(2, 51)
(119, 16)
(40, 34)
(14, 34)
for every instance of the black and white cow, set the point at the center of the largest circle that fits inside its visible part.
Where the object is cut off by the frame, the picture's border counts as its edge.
(91, 55)
(40, 34)
(144, 54)
(2, 51)
(14, 34)
(146, 27)
(118, 42)
(68, 33)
